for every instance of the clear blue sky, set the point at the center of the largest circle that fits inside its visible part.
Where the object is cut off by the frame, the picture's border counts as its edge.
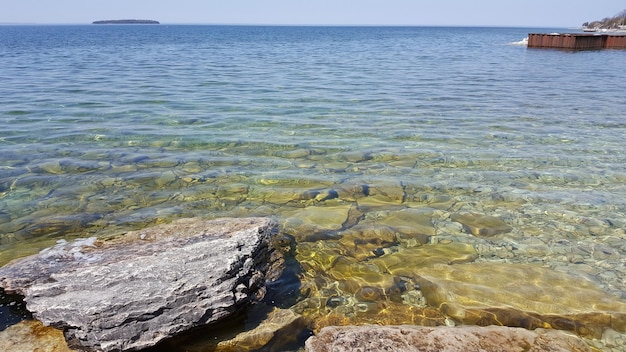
(532, 13)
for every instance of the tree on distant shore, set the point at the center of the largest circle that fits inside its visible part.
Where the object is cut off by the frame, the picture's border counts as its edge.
(608, 22)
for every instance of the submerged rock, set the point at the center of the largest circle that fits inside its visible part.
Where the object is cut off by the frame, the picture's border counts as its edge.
(410, 262)
(362, 241)
(389, 192)
(309, 223)
(134, 291)
(281, 325)
(259, 329)
(521, 295)
(341, 289)
(481, 225)
(411, 223)
(450, 339)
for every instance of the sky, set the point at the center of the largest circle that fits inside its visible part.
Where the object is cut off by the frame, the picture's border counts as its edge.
(515, 13)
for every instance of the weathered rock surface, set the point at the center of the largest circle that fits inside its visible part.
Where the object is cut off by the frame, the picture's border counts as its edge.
(449, 339)
(132, 292)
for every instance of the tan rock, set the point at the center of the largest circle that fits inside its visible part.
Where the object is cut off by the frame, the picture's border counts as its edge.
(32, 335)
(270, 195)
(411, 221)
(315, 219)
(281, 324)
(233, 192)
(165, 178)
(361, 241)
(354, 156)
(316, 257)
(294, 154)
(350, 192)
(481, 225)
(374, 202)
(388, 192)
(522, 295)
(438, 201)
(385, 313)
(53, 167)
(343, 290)
(448, 339)
(411, 261)
(336, 166)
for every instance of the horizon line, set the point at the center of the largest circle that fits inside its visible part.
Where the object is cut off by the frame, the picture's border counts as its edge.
(287, 24)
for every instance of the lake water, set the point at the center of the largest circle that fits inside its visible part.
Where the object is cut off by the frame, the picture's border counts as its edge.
(109, 128)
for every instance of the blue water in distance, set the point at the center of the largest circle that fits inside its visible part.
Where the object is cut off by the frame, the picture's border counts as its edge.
(106, 128)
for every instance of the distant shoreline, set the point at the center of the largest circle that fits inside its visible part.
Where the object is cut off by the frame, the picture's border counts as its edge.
(126, 22)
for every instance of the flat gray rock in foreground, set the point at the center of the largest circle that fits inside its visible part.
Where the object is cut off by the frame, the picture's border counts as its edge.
(443, 338)
(147, 285)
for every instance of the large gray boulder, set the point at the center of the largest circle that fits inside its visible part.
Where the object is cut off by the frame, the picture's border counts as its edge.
(134, 291)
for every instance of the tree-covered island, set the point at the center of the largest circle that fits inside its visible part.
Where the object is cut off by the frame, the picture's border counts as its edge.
(126, 22)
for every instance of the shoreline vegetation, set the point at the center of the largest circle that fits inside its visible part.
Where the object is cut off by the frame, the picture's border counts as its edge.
(615, 23)
(127, 21)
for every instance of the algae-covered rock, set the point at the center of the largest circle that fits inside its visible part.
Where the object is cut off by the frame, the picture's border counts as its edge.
(522, 295)
(449, 339)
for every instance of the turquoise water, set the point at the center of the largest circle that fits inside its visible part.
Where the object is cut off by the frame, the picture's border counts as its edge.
(110, 128)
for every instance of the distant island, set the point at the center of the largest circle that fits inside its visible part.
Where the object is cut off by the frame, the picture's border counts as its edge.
(617, 22)
(126, 22)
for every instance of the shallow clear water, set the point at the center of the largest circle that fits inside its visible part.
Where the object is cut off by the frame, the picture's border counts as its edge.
(108, 128)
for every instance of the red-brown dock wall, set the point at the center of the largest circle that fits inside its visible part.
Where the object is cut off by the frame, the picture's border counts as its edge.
(574, 41)
(615, 42)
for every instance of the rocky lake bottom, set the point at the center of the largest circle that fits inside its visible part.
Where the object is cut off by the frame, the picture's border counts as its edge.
(369, 251)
